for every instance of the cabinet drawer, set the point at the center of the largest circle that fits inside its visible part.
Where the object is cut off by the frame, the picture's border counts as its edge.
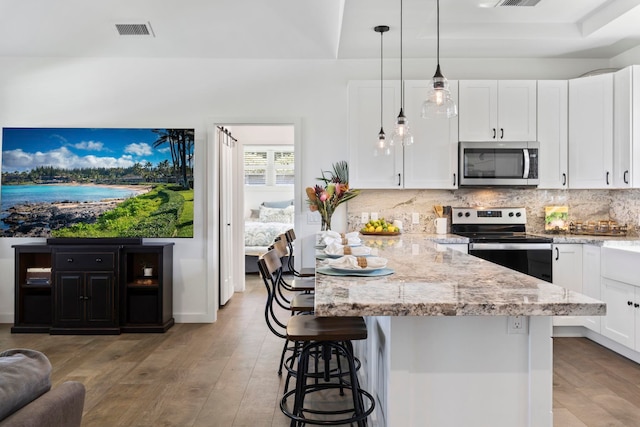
(621, 264)
(105, 261)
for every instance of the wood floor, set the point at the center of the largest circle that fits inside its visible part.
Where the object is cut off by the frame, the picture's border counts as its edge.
(223, 374)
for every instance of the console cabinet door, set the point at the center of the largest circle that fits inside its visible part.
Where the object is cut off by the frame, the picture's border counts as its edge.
(100, 298)
(69, 298)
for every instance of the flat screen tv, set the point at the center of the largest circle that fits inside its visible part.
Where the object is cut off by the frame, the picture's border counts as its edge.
(96, 183)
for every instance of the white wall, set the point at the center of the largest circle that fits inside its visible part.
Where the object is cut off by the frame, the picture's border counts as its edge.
(113, 92)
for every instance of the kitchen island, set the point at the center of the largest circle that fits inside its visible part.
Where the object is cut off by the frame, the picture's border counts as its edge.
(453, 340)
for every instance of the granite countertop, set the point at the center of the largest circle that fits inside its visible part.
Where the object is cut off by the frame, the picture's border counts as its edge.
(435, 281)
(592, 240)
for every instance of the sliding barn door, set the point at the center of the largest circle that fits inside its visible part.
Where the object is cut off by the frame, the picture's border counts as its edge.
(226, 244)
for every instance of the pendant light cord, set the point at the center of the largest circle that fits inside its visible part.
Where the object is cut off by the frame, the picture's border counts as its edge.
(438, 30)
(401, 79)
(381, 56)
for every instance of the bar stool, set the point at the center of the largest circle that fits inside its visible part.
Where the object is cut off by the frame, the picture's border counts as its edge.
(290, 236)
(302, 284)
(328, 337)
(270, 269)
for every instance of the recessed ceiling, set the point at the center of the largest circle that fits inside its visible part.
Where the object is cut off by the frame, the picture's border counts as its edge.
(318, 29)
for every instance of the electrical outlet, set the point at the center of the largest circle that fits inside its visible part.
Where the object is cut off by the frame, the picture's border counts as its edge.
(518, 325)
(314, 217)
(364, 218)
(415, 218)
(374, 216)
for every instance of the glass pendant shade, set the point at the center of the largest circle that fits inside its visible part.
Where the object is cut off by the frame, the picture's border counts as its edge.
(439, 103)
(402, 134)
(383, 148)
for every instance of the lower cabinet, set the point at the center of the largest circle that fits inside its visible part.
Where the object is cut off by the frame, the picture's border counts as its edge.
(567, 272)
(621, 322)
(591, 282)
(93, 289)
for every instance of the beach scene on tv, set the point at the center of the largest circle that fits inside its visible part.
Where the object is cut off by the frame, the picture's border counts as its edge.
(96, 182)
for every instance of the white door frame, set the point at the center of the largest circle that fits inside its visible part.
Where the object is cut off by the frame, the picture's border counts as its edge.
(213, 202)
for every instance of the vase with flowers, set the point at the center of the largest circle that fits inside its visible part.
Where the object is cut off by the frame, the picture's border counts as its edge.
(334, 191)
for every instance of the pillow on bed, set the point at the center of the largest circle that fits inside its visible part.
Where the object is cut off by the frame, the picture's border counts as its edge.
(277, 215)
(255, 214)
(278, 205)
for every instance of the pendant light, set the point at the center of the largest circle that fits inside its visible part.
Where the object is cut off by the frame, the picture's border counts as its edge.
(382, 146)
(402, 134)
(439, 102)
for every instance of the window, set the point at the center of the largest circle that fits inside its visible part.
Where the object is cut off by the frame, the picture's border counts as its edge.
(269, 165)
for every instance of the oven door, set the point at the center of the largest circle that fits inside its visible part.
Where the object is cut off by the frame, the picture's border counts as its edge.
(534, 259)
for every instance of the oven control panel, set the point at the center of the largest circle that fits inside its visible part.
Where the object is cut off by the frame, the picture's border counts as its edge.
(488, 216)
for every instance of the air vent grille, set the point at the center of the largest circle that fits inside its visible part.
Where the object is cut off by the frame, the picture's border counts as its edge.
(134, 29)
(518, 3)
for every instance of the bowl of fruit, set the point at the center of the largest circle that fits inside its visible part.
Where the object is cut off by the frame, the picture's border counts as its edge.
(379, 227)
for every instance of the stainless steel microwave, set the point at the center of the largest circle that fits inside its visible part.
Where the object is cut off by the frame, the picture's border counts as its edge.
(496, 163)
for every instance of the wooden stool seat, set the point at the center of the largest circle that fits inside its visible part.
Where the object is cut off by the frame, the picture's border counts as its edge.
(314, 328)
(307, 284)
(302, 303)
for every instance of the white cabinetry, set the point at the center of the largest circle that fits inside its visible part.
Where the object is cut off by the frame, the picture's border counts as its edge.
(492, 110)
(591, 281)
(431, 162)
(591, 132)
(567, 272)
(553, 102)
(621, 291)
(366, 170)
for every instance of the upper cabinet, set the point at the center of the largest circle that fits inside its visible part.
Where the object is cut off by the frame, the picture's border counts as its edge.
(366, 169)
(431, 162)
(553, 135)
(492, 110)
(626, 133)
(591, 132)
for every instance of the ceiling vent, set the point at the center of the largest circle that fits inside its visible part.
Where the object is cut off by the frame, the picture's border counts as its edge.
(502, 3)
(135, 29)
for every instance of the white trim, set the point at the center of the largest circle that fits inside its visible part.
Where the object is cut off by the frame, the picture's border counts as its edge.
(212, 200)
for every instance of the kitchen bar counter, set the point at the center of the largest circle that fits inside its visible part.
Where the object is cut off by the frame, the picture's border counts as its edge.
(430, 280)
(444, 347)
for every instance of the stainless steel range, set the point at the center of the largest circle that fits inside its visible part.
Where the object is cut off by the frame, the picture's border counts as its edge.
(499, 235)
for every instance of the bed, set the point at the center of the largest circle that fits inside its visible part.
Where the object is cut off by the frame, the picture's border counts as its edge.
(262, 227)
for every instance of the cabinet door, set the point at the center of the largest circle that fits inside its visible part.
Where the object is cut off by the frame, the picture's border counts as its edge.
(69, 290)
(432, 160)
(591, 132)
(516, 110)
(618, 324)
(553, 118)
(591, 281)
(366, 169)
(567, 272)
(100, 298)
(478, 110)
(622, 130)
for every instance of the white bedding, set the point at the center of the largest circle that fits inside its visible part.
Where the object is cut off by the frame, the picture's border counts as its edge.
(262, 234)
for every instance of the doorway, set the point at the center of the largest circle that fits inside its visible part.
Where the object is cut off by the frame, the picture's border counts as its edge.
(251, 194)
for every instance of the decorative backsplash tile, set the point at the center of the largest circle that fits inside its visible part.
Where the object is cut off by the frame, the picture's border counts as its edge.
(622, 206)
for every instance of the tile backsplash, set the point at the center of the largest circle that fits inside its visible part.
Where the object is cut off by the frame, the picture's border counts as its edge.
(622, 206)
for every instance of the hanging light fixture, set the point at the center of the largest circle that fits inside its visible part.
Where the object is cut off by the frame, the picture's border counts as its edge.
(439, 102)
(402, 134)
(382, 146)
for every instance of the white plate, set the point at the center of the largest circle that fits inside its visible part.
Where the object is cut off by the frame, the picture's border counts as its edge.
(356, 270)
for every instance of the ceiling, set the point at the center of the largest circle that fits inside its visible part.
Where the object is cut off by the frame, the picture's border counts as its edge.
(318, 29)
